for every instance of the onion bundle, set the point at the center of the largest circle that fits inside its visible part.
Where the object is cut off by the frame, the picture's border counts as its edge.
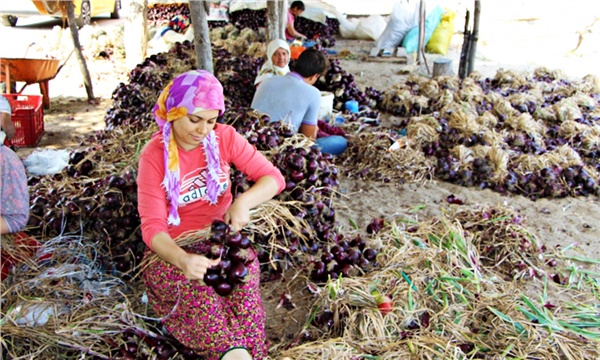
(234, 250)
(341, 83)
(344, 258)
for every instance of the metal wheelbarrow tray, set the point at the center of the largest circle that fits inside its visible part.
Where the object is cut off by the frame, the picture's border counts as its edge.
(30, 71)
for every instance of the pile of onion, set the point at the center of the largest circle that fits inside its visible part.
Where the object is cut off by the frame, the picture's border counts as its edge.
(324, 34)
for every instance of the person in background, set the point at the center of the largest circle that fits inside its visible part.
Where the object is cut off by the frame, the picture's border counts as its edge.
(296, 8)
(278, 58)
(178, 30)
(294, 99)
(14, 194)
(178, 24)
(183, 185)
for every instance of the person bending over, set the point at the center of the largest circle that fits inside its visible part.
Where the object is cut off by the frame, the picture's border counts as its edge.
(296, 8)
(183, 184)
(294, 99)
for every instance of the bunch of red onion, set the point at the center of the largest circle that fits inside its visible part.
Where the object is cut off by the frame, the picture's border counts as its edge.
(341, 84)
(237, 75)
(345, 258)
(234, 250)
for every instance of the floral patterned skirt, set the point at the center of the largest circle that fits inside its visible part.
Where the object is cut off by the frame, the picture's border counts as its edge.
(203, 320)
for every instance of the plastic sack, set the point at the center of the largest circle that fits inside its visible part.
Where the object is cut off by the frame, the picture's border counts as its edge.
(411, 40)
(404, 17)
(440, 40)
(370, 28)
(46, 162)
(347, 28)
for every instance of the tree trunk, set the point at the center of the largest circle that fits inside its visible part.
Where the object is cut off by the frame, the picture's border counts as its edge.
(136, 33)
(276, 19)
(273, 28)
(87, 80)
(198, 12)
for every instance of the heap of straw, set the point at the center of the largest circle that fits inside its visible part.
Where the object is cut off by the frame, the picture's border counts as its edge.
(452, 302)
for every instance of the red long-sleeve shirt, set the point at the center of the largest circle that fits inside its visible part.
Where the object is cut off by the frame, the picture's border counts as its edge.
(194, 209)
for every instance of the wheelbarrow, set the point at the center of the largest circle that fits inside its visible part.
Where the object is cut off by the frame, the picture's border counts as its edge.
(30, 71)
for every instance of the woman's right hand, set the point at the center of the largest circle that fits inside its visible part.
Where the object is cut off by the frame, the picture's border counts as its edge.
(195, 266)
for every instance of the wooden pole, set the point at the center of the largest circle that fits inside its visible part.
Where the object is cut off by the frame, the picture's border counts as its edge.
(136, 33)
(474, 37)
(273, 26)
(421, 45)
(87, 80)
(198, 12)
(464, 53)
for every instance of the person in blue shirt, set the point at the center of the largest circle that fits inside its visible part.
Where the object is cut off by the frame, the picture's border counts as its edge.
(293, 99)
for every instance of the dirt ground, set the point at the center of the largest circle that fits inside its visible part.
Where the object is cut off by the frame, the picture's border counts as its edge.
(555, 221)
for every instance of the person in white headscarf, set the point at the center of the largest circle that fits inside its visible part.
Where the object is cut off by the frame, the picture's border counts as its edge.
(278, 58)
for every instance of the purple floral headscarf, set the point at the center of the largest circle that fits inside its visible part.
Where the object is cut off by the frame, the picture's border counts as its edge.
(192, 91)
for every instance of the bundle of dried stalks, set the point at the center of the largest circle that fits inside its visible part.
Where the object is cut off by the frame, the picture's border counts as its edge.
(488, 120)
(422, 130)
(569, 129)
(376, 160)
(471, 92)
(527, 124)
(464, 121)
(567, 109)
(511, 78)
(429, 89)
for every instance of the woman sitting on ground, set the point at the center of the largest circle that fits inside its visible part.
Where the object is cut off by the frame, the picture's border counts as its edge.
(278, 58)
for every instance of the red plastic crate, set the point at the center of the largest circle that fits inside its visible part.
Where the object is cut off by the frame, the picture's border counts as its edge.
(28, 117)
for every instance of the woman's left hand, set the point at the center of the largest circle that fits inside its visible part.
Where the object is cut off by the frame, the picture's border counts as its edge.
(238, 215)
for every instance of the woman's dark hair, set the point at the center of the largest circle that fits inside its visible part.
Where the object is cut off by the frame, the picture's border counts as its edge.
(298, 5)
(311, 62)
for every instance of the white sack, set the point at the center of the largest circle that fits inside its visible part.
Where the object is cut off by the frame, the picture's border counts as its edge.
(404, 17)
(370, 28)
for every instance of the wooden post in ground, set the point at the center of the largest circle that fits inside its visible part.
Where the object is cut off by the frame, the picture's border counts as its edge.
(474, 37)
(198, 11)
(421, 45)
(87, 79)
(464, 53)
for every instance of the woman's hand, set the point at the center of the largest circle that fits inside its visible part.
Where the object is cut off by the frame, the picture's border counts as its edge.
(195, 266)
(238, 214)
